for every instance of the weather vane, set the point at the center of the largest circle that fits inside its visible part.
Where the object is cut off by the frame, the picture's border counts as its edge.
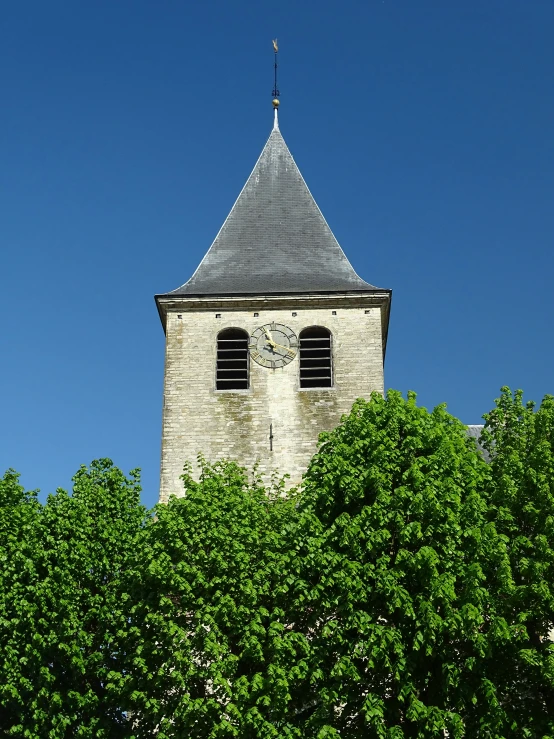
(275, 92)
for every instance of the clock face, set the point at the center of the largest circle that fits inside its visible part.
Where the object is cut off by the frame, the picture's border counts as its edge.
(273, 345)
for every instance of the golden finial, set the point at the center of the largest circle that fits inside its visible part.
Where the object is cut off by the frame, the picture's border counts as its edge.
(275, 92)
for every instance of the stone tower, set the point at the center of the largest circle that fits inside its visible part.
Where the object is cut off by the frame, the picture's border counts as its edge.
(272, 338)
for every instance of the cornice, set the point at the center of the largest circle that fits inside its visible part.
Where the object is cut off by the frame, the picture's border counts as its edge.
(245, 302)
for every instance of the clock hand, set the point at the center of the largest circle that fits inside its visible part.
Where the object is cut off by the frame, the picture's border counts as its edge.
(269, 337)
(280, 346)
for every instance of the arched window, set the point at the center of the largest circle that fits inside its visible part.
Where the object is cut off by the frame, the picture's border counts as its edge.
(315, 357)
(232, 360)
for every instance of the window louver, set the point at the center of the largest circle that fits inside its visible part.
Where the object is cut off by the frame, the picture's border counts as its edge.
(315, 357)
(232, 360)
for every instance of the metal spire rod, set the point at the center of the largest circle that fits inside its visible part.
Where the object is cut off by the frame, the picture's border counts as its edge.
(275, 92)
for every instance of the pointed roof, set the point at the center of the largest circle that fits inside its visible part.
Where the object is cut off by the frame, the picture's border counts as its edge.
(275, 239)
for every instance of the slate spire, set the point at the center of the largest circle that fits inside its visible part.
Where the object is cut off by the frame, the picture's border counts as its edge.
(275, 240)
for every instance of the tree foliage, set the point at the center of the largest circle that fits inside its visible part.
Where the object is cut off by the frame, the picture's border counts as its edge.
(406, 591)
(393, 567)
(213, 656)
(520, 488)
(64, 605)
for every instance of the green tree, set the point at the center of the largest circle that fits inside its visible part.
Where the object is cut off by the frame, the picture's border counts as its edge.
(20, 539)
(395, 565)
(520, 485)
(408, 591)
(67, 605)
(212, 653)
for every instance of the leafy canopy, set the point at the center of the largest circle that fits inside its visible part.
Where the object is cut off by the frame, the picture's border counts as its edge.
(406, 591)
(63, 604)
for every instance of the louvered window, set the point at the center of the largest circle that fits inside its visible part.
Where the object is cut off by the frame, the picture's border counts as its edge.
(232, 360)
(315, 357)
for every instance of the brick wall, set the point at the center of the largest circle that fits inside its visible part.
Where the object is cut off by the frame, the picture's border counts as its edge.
(235, 424)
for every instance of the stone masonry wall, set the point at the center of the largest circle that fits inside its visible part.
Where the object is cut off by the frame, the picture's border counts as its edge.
(235, 424)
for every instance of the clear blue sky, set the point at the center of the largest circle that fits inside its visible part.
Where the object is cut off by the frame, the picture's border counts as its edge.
(423, 129)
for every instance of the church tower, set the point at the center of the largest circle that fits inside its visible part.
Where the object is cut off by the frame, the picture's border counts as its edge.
(272, 338)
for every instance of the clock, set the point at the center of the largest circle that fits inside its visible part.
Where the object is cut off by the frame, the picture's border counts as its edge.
(273, 345)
